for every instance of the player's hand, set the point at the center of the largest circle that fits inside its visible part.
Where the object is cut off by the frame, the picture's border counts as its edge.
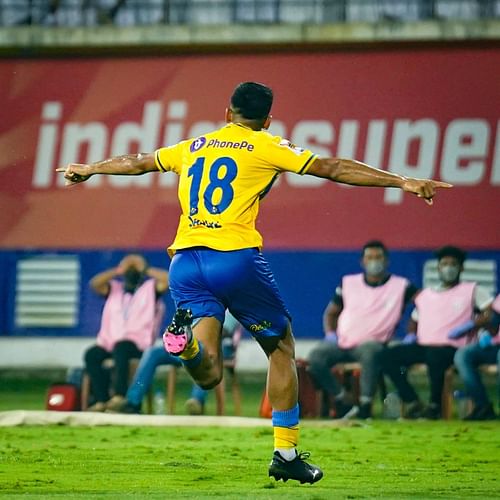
(75, 173)
(424, 188)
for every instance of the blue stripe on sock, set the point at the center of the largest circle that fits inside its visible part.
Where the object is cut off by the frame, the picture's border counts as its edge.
(194, 362)
(286, 418)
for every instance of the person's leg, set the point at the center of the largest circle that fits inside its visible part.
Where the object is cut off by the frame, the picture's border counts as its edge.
(282, 384)
(394, 361)
(203, 360)
(143, 378)
(321, 361)
(198, 393)
(122, 353)
(438, 360)
(99, 376)
(195, 404)
(368, 354)
(254, 300)
(207, 282)
(282, 392)
(195, 333)
(467, 361)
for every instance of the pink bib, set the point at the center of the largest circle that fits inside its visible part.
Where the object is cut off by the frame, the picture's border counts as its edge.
(441, 311)
(370, 313)
(136, 317)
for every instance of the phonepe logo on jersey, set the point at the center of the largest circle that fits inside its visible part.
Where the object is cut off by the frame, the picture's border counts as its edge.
(215, 143)
(197, 144)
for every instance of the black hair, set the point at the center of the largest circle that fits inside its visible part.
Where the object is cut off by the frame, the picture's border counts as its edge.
(252, 100)
(375, 244)
(451, 251)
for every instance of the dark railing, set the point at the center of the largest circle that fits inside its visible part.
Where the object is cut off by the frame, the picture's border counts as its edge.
(149, 12)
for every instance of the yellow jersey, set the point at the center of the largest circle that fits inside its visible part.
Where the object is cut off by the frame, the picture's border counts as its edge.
(223, 176)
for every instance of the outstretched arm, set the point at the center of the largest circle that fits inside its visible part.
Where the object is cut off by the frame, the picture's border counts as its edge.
(359, 174)
(119, 165)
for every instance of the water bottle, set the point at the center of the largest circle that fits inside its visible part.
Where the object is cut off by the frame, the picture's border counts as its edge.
(392, 406)
(159, 403)
(461, 403)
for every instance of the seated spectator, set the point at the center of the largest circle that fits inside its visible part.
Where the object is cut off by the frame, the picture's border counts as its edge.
(358, 322)
(443, 320)
(130, 322)
(157, 356)
(468, 359)
(143, 379)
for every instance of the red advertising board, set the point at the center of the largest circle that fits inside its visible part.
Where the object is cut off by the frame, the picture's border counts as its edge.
(425, 112)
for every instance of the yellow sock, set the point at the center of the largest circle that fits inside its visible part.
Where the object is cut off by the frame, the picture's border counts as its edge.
(286, 437)
(191, 350)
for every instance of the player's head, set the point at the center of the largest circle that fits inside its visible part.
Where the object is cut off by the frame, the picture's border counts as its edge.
(450, 263)
(251, 104)
(374, 258)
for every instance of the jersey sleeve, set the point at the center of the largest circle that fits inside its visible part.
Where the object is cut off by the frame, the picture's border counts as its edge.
(289, 157)
(169, 159)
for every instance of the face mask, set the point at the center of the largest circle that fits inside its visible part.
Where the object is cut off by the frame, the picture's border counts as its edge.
(132, 278)
(449, 274)
(374, 267)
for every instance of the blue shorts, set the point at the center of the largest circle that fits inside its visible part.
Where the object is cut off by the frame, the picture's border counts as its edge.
(210, 281)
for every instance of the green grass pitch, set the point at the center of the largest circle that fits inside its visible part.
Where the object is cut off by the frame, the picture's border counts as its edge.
(418, 460)
(383, 459)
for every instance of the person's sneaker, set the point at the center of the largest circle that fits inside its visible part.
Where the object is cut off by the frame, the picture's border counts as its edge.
(353, 412)
(413, 410)
(485, 412)
(127, 408)
(342, 409)
(297, 469)
(432, 412)
(194, 407)
(97, 407)
(365, 411)
(178, 334)
(115, 403)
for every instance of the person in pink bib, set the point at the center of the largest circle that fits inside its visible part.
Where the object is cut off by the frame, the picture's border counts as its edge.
(468, 359)
(358, 323)
(444, 319)
(130, 322)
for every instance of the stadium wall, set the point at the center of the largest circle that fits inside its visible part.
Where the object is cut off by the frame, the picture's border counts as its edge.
(307, 280)
(421, 111)
(172, 38)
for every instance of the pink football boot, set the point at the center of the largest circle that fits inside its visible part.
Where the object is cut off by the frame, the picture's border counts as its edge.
(178, 335)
